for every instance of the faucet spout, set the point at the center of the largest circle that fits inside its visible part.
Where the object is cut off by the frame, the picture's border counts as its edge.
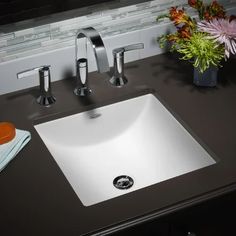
(82, 63)
(98, 47)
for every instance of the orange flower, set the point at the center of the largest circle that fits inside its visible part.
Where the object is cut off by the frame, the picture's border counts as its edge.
(197, 4)
(215, 10)
(184, 32)
(178, 16)
(172, 37)
(207, 16)
(192, 3)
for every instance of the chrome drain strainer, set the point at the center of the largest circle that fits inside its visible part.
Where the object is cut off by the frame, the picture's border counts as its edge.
(123, 182)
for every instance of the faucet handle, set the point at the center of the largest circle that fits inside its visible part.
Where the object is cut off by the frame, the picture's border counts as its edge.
(118, 79)
(45, 98)
(127, 48)
(28, 72)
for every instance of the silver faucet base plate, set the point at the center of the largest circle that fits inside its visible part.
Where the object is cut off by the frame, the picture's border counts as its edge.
(82, 92)
(46, 100)
(118, 81)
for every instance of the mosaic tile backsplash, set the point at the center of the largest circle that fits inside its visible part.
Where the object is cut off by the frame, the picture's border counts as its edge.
(54, 43)
(108, 22)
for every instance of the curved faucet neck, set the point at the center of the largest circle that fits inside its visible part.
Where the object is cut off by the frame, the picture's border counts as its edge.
(98, 47)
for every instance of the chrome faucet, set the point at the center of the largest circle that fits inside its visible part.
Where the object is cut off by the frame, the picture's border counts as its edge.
(99, 50)
(45, 97)
(119, 79)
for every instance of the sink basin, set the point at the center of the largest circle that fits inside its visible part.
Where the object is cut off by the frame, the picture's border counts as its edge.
(120, 148)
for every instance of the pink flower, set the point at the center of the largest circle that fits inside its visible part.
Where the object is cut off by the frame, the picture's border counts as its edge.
(223, 31)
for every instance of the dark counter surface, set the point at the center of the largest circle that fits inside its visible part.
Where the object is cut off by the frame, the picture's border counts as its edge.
(36, 199)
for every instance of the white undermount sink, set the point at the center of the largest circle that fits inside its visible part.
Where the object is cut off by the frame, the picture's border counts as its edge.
(131, 144)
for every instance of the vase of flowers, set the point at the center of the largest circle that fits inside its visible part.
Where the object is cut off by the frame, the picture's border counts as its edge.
(204, 41)
(208, 78)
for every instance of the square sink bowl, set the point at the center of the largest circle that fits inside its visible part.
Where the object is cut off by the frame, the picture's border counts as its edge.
(122, 147)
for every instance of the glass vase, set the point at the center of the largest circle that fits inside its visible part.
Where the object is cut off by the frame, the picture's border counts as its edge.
(206, 79)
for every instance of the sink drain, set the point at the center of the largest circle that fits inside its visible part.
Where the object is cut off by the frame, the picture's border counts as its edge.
(123, 182)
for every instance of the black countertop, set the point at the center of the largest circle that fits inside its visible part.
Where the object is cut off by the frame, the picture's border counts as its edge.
(35, 197)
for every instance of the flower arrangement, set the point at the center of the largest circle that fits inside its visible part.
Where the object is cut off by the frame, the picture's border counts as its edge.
(205, 42)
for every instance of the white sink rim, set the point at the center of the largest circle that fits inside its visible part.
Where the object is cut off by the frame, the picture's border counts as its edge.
(88, 193)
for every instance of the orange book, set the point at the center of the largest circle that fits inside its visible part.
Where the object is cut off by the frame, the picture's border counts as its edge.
(7, 132)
